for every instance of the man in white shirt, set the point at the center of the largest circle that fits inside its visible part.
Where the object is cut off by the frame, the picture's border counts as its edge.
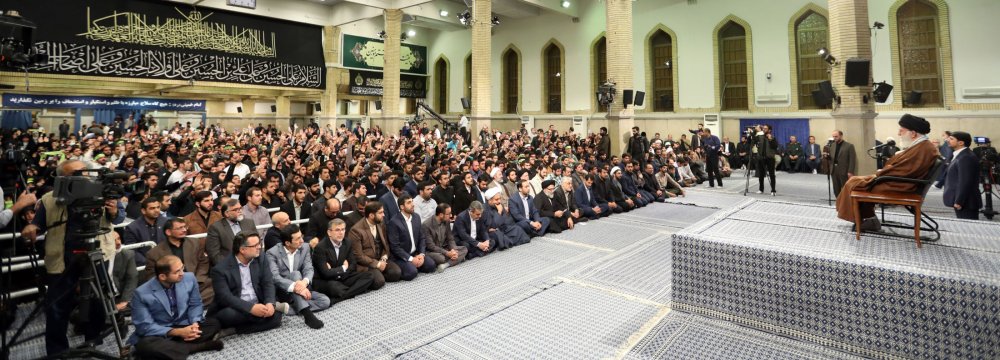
(424, 205)
(292, 269)
(407, 242)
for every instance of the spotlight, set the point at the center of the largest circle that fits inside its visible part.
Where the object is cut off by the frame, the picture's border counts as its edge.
(667, 64)
(878, 25)
(465, 18)
(495, 21)
(381, 34)
(565, 4)
(411, 33)
(443, 13)
(823, 52)
(558, 74)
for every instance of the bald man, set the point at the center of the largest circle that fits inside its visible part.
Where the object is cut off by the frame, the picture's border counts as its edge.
(280, 220)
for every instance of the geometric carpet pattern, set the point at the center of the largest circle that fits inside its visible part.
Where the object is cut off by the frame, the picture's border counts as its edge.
(604, 290)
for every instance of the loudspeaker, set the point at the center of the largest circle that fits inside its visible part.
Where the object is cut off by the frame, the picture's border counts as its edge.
(465, 104)
(882, 92)
(856, 72)
(627, 96)
(274, 108)
(378, 104)
(239, 109)
(640, 97)
(914, 97)
(317, 108)
(826, 89)
(821, 100)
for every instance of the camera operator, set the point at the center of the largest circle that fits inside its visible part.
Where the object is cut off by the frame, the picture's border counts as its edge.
(961, 185)
(65, 261)
(765, 147)
(25, 200)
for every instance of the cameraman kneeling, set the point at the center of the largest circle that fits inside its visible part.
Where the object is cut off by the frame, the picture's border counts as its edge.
(65, 261)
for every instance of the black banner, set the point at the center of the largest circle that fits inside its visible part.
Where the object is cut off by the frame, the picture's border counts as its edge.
(370, 83)
(170, 40)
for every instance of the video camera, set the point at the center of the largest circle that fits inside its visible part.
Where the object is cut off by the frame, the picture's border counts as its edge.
(84, 192)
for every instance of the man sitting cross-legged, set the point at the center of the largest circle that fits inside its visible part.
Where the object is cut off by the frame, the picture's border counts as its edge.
(244, 288)
(167, 314)
(292, 270)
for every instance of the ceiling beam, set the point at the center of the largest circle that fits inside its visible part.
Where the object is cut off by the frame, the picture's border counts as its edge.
(348, 12)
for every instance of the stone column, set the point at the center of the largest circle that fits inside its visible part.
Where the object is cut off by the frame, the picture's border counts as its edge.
(283, 113)
(620, 71)
(390, 71)
(482, 53)
(850, 38)
(331, 55)
(249, 112)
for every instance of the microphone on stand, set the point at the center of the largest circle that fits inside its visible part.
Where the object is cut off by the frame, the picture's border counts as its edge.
(888, 143)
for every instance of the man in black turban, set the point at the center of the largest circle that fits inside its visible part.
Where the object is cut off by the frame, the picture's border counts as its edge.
(914, 161)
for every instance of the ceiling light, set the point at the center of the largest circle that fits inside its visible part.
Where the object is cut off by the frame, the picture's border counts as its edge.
(411, 33)
(443, 13)
(565, 3)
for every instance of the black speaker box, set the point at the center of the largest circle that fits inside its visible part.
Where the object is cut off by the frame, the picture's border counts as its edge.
(239, 109)
(317, 107)
(274, 108)
(882, 92)
(378, 104)
(856, 72)
(820, 100)
(465, 104)
(640, 97)
(826, 90)
(627, 98)
(914, 97)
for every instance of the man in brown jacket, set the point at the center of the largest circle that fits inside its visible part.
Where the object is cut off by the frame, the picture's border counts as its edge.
(190, 251)
(203, 215)
(371, 247)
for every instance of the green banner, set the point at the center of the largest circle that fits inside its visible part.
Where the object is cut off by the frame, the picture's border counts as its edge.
(369, 54)
(369, 83)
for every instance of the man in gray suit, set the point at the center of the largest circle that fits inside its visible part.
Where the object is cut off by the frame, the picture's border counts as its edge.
(845, 161)
(125, 276)
(219, 241)
(291, 268)
(441, 244)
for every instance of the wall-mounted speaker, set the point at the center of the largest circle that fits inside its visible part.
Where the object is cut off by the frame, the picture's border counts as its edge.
(378, 104)
(239, 109)
(820, 100)
(317, 107)
(856, 72)
(914, 98)
(640, 97)
(465, 104)
(274, 108)
(627, 98)
(882, 92)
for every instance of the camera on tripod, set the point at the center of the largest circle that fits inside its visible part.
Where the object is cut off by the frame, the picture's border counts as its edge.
(84, 197)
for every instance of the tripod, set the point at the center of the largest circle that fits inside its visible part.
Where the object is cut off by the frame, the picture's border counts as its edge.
(750, 165)
(95, 285)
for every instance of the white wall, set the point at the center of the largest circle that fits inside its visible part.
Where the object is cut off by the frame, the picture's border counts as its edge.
(973, 29)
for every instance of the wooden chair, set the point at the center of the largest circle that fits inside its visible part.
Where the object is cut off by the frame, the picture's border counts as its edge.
(911, 201)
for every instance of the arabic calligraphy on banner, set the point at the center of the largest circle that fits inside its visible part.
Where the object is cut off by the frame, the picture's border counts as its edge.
(369, 54)
(123, 62)
(369, 83)
(157, 39)
(23, 101)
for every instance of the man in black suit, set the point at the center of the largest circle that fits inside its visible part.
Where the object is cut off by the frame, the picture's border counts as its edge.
(471, 231)
(465, 193)
(222, 233)
(407, 243)
(961, 185)
(247, 310)
(559, 218)
(336, 267)
(296, 207)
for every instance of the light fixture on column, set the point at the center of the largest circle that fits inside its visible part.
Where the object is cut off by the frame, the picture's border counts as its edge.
(402, 37)
(465, 18)
(606, 93)
(443, 13)
(827, 56)
(495, 20)
(878, 25)
(667, 64)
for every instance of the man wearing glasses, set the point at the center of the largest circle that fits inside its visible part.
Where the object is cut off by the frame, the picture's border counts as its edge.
(219, 241)
(244, 289)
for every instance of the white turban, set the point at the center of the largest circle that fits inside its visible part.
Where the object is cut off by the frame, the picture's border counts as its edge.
(491, 192)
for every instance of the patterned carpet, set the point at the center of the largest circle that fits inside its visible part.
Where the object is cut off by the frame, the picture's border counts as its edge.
(603, 290)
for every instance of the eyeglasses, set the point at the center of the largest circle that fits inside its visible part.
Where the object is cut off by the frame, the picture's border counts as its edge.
(257, 245)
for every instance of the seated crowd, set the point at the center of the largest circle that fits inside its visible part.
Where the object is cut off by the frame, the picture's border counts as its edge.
(355, 209)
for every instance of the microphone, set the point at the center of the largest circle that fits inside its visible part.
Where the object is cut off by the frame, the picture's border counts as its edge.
(888, 143)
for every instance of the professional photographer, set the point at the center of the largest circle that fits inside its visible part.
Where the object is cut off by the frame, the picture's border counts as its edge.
(65, 262)
(765, 147)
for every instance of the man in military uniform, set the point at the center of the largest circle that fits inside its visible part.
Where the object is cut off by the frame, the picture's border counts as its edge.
(793, 155)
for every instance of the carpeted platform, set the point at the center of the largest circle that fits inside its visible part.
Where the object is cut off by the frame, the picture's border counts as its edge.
(609, 289)
(795, 269)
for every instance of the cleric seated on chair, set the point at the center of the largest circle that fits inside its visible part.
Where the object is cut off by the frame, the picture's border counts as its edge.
(914, 160)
